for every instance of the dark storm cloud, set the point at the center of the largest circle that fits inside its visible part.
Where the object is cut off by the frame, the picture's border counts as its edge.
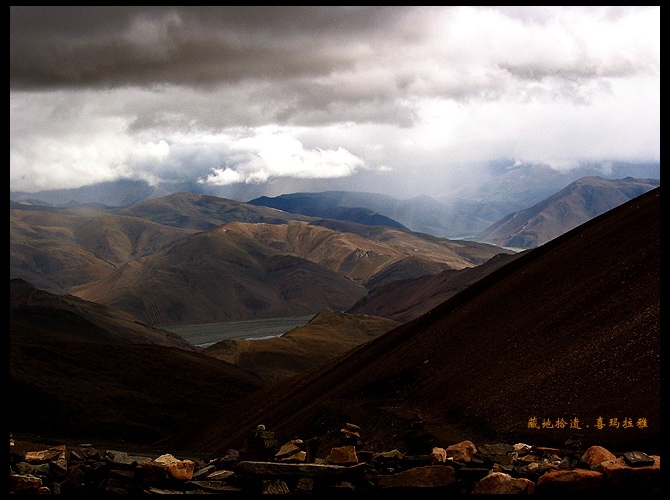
(115, 46)
(251, 94)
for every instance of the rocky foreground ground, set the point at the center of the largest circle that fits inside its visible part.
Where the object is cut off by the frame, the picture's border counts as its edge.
(264, 466)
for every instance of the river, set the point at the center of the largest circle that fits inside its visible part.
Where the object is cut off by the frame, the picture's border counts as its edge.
(204, 335)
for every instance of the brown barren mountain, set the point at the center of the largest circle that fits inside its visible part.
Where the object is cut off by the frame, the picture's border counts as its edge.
(56, 249)
(80, 370)
(257, 270)
(568, 333)
(578, 202)
(221, 275)
(35, 313)
(405, 300)
(202, 212)
(326, 336)
(189, 258)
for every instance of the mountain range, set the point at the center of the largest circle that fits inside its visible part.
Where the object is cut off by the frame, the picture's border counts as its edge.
(193, 258)
(494, 217)
(489, 338)
(568, 332)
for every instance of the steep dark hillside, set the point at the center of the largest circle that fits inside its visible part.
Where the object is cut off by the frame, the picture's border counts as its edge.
(575, 204)
(85, 371)
(36, 314)
(408, 299)
(568, 332)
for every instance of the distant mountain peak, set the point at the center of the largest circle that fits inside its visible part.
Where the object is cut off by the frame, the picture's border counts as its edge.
(575, 204)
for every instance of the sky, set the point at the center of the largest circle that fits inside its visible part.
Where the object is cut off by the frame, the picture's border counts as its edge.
(407, 101)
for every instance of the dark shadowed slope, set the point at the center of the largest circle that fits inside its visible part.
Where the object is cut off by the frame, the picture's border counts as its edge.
(570, 330)
(84, 371)
(36, 315)
(408, 299)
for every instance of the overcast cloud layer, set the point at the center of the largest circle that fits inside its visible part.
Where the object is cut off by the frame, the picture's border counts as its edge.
(407, 100)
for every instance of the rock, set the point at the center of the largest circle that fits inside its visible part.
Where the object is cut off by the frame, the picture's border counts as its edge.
(596, 455)
(45, 455)
(274, 487)
(203, 472)
(497, 453)
(24, 482)
(353, 428)
(207, 486)
(462, 452)
(638, 459)
(287, 450)
(386, 456)
(567, 481)
(305, 485)
(497, 483)
(248, 468)
(429, 476)
(118, 457)
(342, 455)
(522, 448)
(152, 472)
(573, 443)
(180, 470)
(120, 482)
(438, 455)
(496, 449)
(220, 475)
(470, 475)
(61, 470)
(625, 477)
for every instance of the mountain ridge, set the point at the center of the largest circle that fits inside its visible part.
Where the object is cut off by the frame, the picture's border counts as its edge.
(534, 332)
(241, 261)
(578, 202)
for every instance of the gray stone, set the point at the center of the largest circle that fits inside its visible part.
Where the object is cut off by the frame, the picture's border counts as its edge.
(637, 459)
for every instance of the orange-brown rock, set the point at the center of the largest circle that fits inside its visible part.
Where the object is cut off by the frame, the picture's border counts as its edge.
(596, 455)
(573, 480)
(181, 470)
(438, 455)
(343, 455)
(462, 452)
(621, 475)
(500, 483)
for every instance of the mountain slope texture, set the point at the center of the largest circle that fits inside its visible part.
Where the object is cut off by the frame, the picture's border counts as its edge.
(578, 202)
(87, 371)
(567, 335)
(327, 335)
(187, 258)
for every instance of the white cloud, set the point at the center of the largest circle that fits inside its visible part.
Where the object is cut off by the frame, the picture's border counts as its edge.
(269, 154)
(223, 97)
